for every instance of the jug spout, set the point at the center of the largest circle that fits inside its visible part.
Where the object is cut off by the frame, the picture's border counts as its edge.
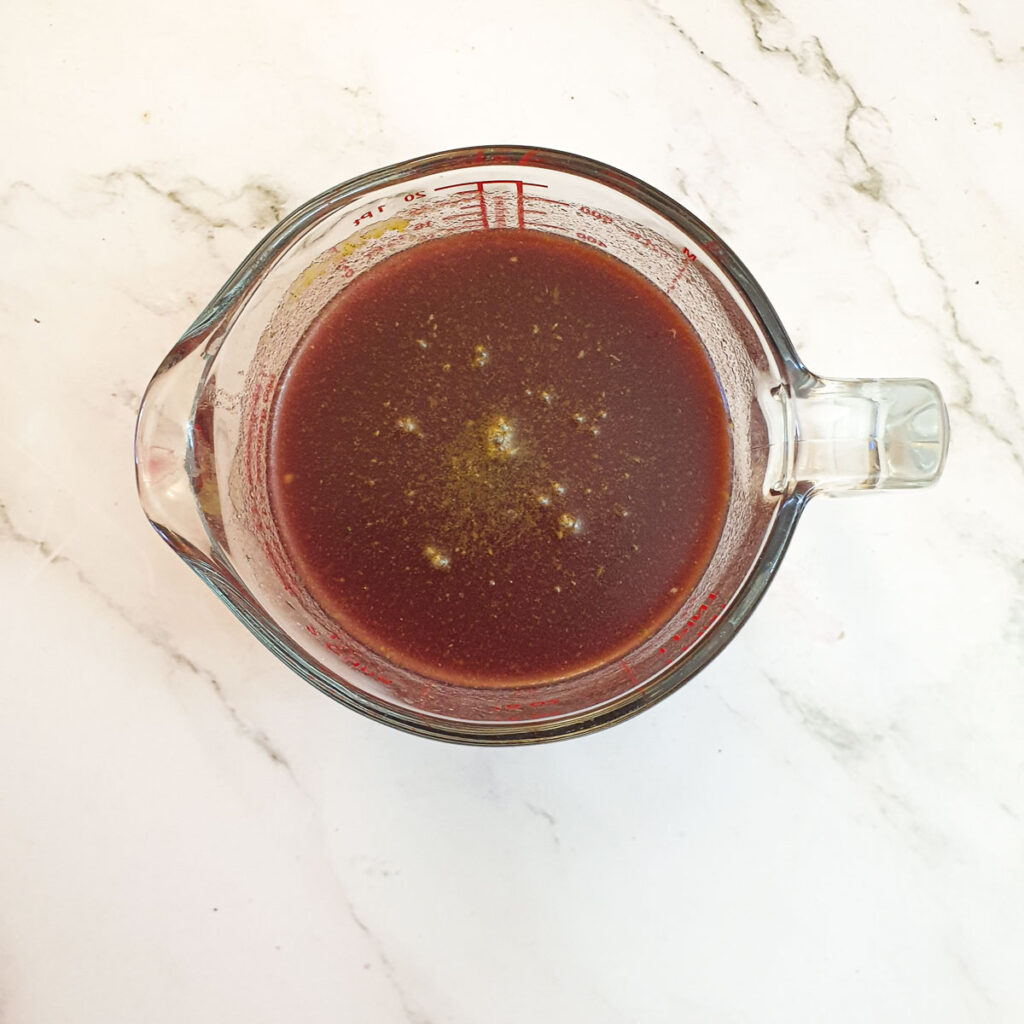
(163, 452)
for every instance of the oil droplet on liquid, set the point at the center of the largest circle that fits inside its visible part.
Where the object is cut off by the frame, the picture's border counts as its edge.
(436, 557)
(499, 437)
(568, 524)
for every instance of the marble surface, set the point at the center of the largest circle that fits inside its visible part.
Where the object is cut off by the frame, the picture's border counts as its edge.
(828, 824)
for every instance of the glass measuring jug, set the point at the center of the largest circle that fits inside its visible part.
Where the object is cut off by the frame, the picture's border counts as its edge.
(204, 429)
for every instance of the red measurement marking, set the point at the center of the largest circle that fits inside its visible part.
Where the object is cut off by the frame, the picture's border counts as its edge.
(525, 707)
(696, 626)
(630, 673)
(348, 655)
(459, 218)
(479, 189)
(688, 258)
(483, 205)
(255, 427)
(649, 244)
(676, 278)
(368, 214)
(499, 208)
(586, 211)
(250, 462)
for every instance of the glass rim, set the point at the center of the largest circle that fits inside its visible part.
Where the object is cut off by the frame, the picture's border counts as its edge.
(248, 609)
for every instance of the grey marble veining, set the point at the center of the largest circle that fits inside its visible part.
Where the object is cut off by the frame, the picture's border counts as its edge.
(826, 824)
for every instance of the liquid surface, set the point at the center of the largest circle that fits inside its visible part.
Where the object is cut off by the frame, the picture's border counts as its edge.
(500, 458)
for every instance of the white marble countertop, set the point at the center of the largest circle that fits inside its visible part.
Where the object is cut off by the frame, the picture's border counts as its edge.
(826, 825)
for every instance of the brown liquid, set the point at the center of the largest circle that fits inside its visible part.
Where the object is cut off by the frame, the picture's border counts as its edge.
(500, 458)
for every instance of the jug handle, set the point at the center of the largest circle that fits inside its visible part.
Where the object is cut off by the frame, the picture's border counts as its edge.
(858, 435)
